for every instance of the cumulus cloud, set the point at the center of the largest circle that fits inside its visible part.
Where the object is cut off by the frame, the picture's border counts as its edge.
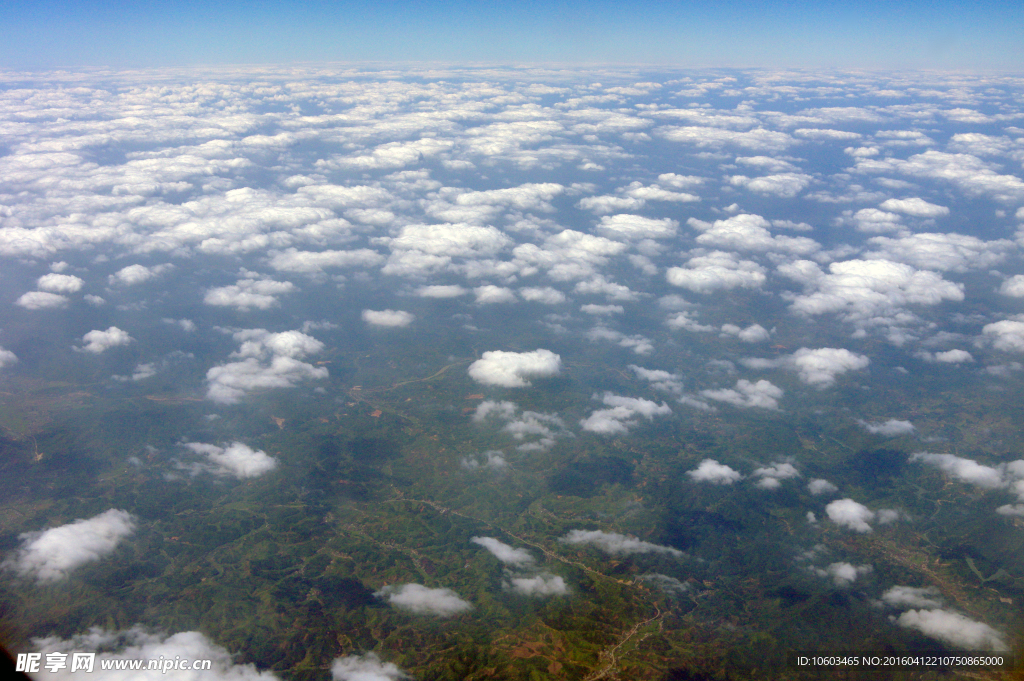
(248, 293)
(622, 415)
(716, 473)
(7, 357)
(49, 556)
(763, 394)
(844, 574)
(625, 226)
(137, 274)
(512, 369)
(953, 628)
(660, 380)
(387, 317)
(850, 514)
(441, 291)
(641, 345)
(544, 584)
(1006, 335)
(59, 283)
(545, 295)
(916, 207)
(755, 333)
(615, 543)
(785, 185)
(1013, 287)
(136, 643)
(967, 470)
(912, 597)
(947, 357)
(746, 232)
(309, 262)
(97, 341)
(818, 486)
(420, 600)
(489, 294)
(509, 555)
(266, 360)
(366, 667)
(772, 475)
(492, 459)
(41, 300)
(890, 428)
(544, 427)
(941, 252)
(715, 271)
(237, 460)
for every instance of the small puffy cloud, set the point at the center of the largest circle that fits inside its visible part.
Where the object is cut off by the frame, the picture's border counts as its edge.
(248, 293)
(890, 428)
(136, 643)
(755, 333)
(641, 345)
(1013, 287)
(912, 597)
(820, 367)
(266, 360)
(237, 459)
(916, 207)
(770, 476)
(492, 459)
(7, 358)
(850, 514)
(615, 543)
(420, 600)
(967, 470)
(489, 294)
(947, 357)
(366, 667)
(1006, 335)
(545, 295)
(716, 473)
(953, 628)
(763, 394)
(512, 369)
(715, 271)
(660, 380)
(784, 185)
(544, 584)
(60, 283)
(142, 372)
(545, 427)
(441, 291)
(41, 300)
(509, 555)
(621, 416)
(387, 317)
(684, 320)
(137, 274)
(311, 262)
(747, 232)
(601, 310)
(49, 556)
(941, 252)
(97, 341)
(818, 486)
(844, 574)
(874, 221)
(624, 226)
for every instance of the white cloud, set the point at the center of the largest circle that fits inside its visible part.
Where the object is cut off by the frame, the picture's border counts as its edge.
(785, 185)
(953, 628)
(772, 475)
(1007, 335)
(1013, 287)
(267, 360)
(509, 555)
(660, 380)
(441, 291)
(621, 417)
(746, 232)
(489, 294)
(850, 514)
(755, 333)
(97, 341)
(307, 262)
(844, 574)
(947, 357)
(874, 221)
(60, 283)
(136, 643)
(963, 469)
(544, 584)
(716, 473)
(142, 372)
(763, 394)
(968, 172)
(601, 310)
(387, 317)
(625, 226)
(137, 274)
(366, 667)
(49, 556)
(7, 358)
(615, 543)
(420, 600)
(915, 597)
(248, 293)
(821, 366)
(941, 252)
(512, 369)
(917, 207)
(818, 486)
(890, 428)
(492, 459)
(41, 300)
(237, 459)
(546, 295)
(715, 271)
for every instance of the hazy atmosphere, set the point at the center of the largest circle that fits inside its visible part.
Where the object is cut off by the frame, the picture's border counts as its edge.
(451, 343)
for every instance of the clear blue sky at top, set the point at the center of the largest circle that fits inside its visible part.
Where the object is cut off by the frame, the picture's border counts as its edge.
(940, 34)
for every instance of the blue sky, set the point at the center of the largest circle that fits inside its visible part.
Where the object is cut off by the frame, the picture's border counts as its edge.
(943, 34)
